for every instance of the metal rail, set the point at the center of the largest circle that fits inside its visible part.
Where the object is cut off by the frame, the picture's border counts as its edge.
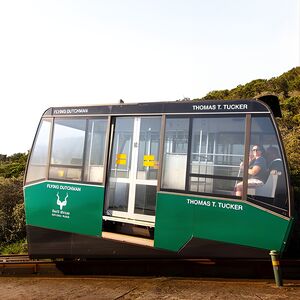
(14, 257)
(223, 268)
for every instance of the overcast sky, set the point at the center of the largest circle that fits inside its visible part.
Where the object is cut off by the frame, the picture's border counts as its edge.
(77, 52)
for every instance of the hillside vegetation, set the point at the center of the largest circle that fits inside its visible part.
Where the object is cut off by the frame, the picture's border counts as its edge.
(12, 216)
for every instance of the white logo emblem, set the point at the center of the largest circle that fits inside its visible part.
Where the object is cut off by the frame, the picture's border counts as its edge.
(61, 203)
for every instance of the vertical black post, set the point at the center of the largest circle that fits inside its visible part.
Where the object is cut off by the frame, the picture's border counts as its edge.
(246, 156)
(276, 268)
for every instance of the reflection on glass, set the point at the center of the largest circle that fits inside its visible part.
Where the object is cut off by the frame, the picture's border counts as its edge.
(175, 153)
(73, 174)
(274, 189)
(145, 202)
(94, 162)
(176, 136)
(68, 142)
(224, 186)
(118, 196)
(149, 141)
(117, 192)
(217, 150)
(37, 166)
(122, 148)
(201, 184)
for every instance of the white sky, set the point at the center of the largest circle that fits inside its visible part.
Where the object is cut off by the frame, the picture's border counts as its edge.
(77, 52)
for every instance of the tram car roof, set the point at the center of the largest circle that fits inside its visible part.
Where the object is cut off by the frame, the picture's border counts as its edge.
(262, 104)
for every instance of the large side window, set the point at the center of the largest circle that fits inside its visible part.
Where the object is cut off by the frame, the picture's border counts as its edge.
(217, 150)
(273, 191)
(95, 150)
(67, 149)
(210, 162)
(175, 153)
(70, 156)
(38, 163)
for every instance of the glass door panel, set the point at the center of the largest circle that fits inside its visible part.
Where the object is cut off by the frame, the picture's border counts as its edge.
(132, 182)
(147, 168)
(119, 173)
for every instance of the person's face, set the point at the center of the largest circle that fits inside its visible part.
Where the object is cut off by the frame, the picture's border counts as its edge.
(256, 152)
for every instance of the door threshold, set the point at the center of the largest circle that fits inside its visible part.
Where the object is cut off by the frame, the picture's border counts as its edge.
(127, 238)
(129, 221)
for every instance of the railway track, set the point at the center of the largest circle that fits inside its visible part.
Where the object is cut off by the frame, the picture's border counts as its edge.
(224, 268)
(21, 264)
(14, 258)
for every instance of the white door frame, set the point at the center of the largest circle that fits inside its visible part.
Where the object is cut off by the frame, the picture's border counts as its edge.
(132, 179)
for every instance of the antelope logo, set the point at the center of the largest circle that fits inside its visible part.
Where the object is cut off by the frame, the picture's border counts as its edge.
(61, 203)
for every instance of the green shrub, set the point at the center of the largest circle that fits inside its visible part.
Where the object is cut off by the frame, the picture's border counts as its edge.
(12, 216)
(19, 247)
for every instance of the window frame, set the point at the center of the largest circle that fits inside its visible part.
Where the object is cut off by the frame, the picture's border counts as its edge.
(81, 167)
(186, 190)
(205, 176)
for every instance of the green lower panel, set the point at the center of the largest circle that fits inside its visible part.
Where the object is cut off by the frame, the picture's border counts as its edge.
(179, 218)
(68, 207)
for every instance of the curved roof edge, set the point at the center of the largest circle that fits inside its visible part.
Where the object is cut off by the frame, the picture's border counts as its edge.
(273, 103)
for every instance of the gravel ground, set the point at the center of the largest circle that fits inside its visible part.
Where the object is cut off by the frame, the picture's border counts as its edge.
(143, 288)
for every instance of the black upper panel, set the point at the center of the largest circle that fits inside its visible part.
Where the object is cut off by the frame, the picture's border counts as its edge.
(207, 106)
(273, 102)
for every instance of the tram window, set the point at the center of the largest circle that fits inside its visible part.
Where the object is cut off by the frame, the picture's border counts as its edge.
(67, 149)
(274, 190)
(216, 152)
(94, 161)
(175, 153)
(37, 167)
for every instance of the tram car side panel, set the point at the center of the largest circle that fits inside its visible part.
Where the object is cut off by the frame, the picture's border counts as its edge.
(180, 218)
(68, 207)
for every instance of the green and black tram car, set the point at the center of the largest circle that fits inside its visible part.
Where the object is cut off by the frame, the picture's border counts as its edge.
(153, 180)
